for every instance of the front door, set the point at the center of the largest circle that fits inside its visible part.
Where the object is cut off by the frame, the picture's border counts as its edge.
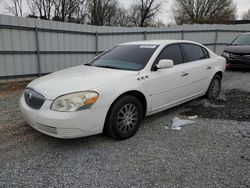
(172, 85)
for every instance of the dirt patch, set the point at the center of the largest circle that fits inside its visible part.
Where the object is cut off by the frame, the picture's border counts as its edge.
(12, 87)
(235, 105)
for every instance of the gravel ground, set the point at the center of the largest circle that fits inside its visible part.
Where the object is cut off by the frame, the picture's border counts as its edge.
(212, 152)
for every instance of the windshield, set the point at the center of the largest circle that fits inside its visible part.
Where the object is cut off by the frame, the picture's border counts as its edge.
(242, 40)
(125, 57)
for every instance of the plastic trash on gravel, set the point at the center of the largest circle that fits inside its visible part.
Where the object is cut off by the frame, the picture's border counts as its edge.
(192, 117)
(177, 123)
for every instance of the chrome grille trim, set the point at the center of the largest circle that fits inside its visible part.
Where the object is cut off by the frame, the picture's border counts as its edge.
(235, 56)
(240, 56)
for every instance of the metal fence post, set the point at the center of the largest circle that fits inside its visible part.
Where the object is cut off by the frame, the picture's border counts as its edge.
(182, 34)
(38, 52)
(96, 43)
(216, 40)
(145, 35)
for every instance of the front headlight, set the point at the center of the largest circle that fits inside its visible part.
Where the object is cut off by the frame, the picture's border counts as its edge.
(226, 54)
(75, 101)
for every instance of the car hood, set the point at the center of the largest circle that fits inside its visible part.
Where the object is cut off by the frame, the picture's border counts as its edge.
(238, 49)
(79, 78)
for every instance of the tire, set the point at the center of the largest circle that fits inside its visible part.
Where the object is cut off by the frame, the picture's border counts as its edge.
(228, 67)
(124, 118)
(214, 88)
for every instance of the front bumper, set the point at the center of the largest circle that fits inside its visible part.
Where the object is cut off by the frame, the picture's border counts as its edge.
(237, 63)
(64, 124)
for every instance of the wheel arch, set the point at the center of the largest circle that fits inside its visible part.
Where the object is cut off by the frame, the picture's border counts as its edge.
(139, 95)
(219, 73)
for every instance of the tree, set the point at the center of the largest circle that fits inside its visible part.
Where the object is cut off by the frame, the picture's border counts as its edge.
(117, 15)
(15, 7)
(80, 14)
(59, 10)
(95, 12)
(43, 7)
(121, 17)
(204, 11)
(104, 12)
(66, 9)
(143, 12)
(246, 15)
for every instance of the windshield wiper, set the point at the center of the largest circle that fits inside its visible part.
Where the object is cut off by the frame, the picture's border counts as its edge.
(107, 66)
(88, 64)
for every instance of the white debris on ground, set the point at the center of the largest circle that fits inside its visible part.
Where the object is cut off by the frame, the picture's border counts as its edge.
(208, 104)
(177, 123)
(192, 117)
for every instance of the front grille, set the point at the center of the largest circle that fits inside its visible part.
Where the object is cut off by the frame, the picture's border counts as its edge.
(235, 56)
(240, 56)
(33, 99)
(247, 57)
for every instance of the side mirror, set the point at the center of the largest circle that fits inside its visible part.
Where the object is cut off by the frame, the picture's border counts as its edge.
(165, 63)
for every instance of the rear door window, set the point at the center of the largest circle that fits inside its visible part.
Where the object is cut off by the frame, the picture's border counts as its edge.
(193, 52)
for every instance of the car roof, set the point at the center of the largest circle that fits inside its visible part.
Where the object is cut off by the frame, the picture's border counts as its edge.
(157, 42)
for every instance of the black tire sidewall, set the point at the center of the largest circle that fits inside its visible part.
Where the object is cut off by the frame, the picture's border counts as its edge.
(209, 92)
(113, 116)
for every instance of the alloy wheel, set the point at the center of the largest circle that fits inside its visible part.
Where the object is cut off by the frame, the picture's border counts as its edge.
(127, 118)
(215, 88)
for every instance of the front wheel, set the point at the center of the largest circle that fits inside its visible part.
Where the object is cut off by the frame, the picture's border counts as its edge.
(214, 88)
(124, 118)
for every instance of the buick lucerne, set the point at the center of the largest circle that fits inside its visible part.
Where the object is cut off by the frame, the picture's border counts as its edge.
(112, 93)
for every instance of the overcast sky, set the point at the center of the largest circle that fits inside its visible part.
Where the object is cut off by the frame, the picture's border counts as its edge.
(166, 14)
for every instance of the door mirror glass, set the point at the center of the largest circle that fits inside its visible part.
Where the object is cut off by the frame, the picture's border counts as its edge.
(165, 64)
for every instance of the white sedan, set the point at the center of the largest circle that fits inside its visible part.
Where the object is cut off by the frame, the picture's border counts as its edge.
(112, 93)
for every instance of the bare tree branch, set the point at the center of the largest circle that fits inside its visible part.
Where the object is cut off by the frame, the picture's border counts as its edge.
(66, 10)
(106, 12)
(143, 12)
(204, 11)
(41, 7)
(14, 7)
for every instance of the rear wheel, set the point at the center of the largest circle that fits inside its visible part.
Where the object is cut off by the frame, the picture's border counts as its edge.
(124, 118)
(214, 88)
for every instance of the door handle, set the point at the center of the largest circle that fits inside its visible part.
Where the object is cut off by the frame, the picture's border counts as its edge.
(184, 74)
(208, 67)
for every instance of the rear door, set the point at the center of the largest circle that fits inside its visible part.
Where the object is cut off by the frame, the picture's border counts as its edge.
(200, 66)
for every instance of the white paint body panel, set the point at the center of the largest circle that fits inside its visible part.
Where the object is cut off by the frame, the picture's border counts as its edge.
(162, 89)
(79, 78)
